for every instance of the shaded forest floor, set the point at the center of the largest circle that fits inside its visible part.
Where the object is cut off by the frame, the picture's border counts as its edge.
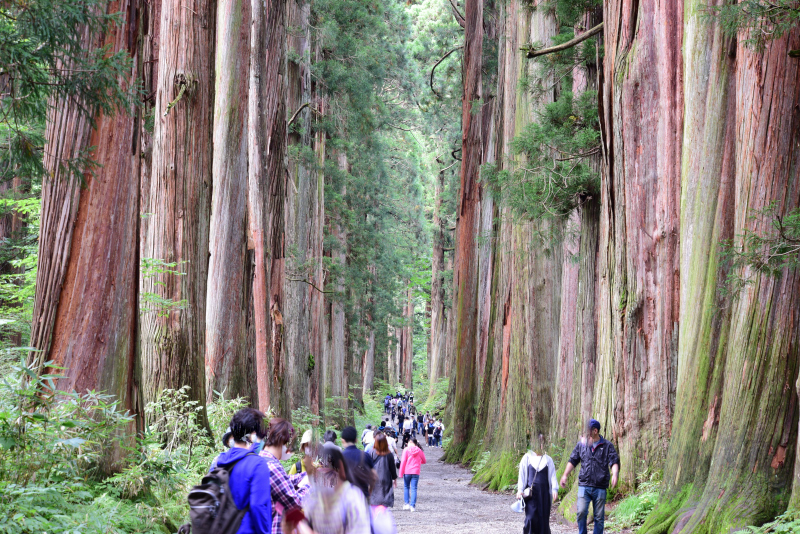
(448, 504)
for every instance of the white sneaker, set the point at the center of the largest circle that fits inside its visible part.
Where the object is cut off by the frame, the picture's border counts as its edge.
(411, 508)
(406, 507)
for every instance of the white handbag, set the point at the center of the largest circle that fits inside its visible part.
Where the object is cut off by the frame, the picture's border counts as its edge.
(518, 506)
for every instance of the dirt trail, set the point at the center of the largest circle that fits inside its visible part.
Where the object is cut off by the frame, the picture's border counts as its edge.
(447, 504)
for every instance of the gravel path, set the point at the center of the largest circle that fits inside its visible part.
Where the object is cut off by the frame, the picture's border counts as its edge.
(447, 504)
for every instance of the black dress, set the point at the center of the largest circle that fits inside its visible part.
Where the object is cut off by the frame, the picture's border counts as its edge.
(537, 506)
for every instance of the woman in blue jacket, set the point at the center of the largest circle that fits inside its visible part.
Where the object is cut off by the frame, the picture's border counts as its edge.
(249, 474)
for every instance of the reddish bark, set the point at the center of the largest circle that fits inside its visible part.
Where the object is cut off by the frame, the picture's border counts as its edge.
(436, 351)
(465, 273)
(406, 342)
(178, 204)
(86, 289)
(266, 193)
(643, 120)
(228, 360)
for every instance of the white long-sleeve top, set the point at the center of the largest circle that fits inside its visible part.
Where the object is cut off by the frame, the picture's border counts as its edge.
(539, 463)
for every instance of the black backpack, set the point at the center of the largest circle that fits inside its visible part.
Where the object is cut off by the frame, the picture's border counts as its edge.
(211, 506)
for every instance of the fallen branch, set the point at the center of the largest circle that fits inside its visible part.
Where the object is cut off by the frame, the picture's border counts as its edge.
(532, 52)
(437, 64)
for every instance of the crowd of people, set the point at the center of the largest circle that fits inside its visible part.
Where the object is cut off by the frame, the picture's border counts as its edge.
(412, 422)
(333, 489)
(342, 489)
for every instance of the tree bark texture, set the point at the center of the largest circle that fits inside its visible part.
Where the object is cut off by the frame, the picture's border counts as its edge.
(230, 365)
(302, 198)
(436, 354)
(644, 121)
(86, 288)
(266, 194)
(739, 426)
(407, 342)
(465, 273)
(175, 222)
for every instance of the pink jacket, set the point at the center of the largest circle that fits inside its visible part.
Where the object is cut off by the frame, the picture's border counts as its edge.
(413, 458)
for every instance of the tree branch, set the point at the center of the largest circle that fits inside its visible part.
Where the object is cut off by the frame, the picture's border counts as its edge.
(457, 14)
(296, 113)
(437, 64)
(533, 52)
(309, 283)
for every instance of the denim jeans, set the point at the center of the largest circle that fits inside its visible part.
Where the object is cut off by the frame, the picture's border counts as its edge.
(597, 497)
(410, 489)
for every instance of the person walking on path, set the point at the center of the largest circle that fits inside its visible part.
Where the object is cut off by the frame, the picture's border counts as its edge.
(358, 462)
(249, 480)
(595, 455)
(305, 449)
(410, 467)
(385, 468)
(335, 505)
(537, 486)
(431, 433)
(283, 488)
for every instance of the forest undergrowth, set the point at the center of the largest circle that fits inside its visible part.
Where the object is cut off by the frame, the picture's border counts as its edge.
(56, 473)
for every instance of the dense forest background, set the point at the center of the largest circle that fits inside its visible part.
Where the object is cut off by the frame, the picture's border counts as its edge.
(529, 213)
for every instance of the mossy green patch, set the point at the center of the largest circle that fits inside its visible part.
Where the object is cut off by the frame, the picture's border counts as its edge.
(666, 512)
(499, 471)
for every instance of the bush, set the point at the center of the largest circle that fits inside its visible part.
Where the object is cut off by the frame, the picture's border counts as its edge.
(634, 509)
(56, 448)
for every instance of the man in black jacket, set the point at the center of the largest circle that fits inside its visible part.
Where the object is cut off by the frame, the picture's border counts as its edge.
(596, 455)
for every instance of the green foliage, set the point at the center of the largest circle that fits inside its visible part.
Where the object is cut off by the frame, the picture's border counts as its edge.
(155, 269)
(435, 404)
(49, 436)
(55, 447)
(50, 51)
(768, 252)
(759, 21)
(786, 523)
(665, 513)
(553, 175)
(634, 509)
(18, 260)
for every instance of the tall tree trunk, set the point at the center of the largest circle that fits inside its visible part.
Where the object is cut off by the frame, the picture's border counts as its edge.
(266, 194)
(436, 354)
(465, 274)
(643, 169)
(407, 344)
(368, 363)
(302, 196)
(578, 342)
(84, 316)
(176, 224)
(744, 425)
(229, 362)
(337, 378)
